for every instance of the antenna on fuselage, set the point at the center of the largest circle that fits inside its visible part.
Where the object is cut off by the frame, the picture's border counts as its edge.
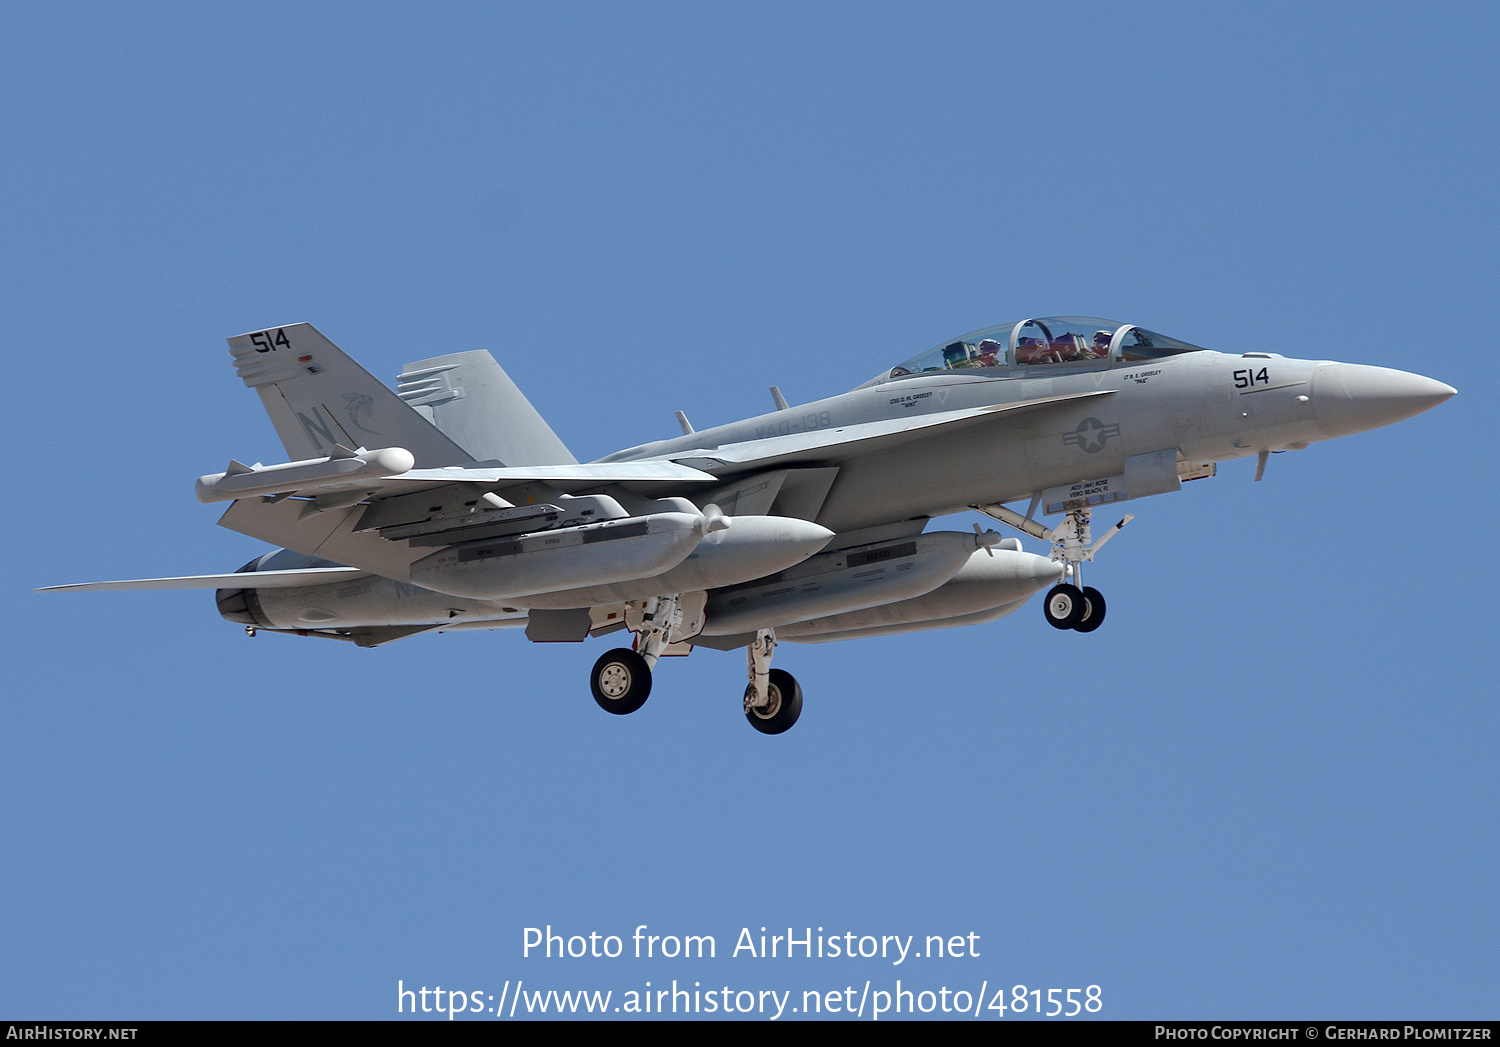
(781, 404)
(687, 426)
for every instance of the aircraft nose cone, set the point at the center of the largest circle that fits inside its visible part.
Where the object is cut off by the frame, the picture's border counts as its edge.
(1355, 398)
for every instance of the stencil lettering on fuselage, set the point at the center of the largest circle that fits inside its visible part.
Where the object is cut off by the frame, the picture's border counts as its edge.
(785, 427)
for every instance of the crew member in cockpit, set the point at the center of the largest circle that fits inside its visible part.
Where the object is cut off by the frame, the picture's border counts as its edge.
(1031, 350)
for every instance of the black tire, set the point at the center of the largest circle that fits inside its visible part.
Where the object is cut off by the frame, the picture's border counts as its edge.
(1093, 610)
(785, 706)
(621, 681)
(1064, 607)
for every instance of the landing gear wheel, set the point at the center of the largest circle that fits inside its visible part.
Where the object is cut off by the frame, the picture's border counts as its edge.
(1093, 610)
(1064, 607)
(621, 681)
(784, 707)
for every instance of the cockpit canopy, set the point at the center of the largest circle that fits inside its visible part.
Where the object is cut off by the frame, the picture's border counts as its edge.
(1045, 340)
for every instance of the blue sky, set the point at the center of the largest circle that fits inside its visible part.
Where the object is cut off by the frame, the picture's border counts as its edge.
(1265, 788)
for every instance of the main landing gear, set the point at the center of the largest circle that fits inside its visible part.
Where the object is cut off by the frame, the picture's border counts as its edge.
(621, 680)
(1071, 605)
(773, 700)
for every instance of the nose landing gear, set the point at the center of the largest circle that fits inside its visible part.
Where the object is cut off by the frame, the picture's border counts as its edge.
(1071, 605)
(1093, 615)
(1065, 606)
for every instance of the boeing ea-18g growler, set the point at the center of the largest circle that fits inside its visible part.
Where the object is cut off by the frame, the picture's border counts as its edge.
(450, 504)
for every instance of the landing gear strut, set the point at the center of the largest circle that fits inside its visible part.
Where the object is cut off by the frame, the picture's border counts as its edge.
(654, 623)
(621, 680)
(1072, 544)
(1071, 605)
(773, 700)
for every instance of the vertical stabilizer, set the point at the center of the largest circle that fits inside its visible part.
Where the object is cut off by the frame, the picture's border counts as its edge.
(473, 401)
(319, 398)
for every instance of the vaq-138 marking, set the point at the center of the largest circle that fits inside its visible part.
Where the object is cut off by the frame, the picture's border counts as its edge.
(450, 503)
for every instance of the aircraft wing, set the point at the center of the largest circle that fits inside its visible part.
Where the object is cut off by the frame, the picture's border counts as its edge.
(335, 534)
(563, 477)
(355, 475)
(850, 441)
(260, 579)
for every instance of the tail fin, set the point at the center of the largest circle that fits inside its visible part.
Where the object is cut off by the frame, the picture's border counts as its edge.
(318, 397)
(473, 401)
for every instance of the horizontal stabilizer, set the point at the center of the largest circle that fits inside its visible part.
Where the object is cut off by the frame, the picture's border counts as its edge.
(238, 580)
(378, 635)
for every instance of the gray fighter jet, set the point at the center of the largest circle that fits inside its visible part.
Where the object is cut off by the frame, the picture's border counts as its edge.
(450, 503)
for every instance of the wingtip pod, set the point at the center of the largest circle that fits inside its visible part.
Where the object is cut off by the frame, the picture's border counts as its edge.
(335, 473)
(391, 461)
